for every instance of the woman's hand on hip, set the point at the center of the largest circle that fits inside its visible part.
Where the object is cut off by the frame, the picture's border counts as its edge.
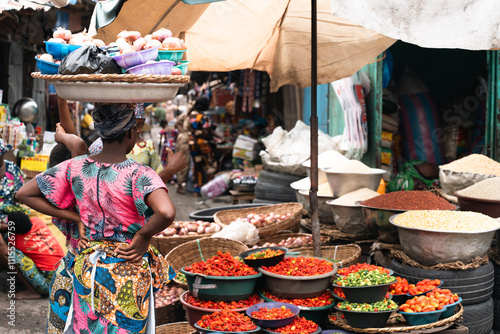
(136, 250)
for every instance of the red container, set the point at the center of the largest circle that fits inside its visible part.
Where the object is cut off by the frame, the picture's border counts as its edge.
(194, 313)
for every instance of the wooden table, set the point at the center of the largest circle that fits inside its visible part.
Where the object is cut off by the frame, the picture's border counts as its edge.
(238, 195)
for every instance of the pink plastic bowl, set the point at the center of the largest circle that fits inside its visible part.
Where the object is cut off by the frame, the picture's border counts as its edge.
(137, 58)
(159, 67)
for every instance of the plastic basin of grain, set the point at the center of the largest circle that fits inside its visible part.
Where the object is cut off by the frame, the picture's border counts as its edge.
(432, 237)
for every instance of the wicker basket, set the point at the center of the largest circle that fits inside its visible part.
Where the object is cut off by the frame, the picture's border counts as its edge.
(344, 254)
(176, 328)
(170, 313)
(291, 223)
(201, 250)
(283, 236)
(166, 244)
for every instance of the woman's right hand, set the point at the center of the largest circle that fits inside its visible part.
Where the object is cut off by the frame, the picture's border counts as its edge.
(83, 241)
(136, 250)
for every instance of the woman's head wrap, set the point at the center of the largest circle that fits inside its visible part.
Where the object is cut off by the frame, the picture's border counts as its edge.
(111, 120)
(4, 147)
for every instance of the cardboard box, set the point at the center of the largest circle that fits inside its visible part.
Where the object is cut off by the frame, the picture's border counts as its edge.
(244, 148)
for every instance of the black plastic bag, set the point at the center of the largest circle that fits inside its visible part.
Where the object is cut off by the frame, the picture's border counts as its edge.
(88, 59)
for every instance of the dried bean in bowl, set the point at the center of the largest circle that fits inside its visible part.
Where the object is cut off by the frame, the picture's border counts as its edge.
(447, 221)
(409, 200)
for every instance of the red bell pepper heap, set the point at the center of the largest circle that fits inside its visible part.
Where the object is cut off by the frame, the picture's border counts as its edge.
(299, 325)
(219, 305)
(301, 266)
(401, 286)
(320, 301)
(274, 313)
(226, 320)
(222, 264)
(361, 266)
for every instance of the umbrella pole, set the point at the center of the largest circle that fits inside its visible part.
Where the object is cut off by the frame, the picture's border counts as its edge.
(313, 192)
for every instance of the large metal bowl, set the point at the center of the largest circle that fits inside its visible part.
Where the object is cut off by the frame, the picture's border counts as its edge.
(349, 219)
(378, 223)
(430, 247)
(343, 183)
(488, 207)
(325, 215)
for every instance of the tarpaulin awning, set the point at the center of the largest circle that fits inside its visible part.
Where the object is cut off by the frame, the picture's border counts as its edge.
(462, 24)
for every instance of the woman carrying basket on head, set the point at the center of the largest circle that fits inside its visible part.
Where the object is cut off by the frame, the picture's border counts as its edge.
(121, 204)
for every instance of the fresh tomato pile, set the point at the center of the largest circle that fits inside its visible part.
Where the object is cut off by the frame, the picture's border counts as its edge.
(444, 296)
(361, 266)
(401, 286)
(220, 305)
(299, 325)
(434, 300)
(339, 292)
(320, 301)
(301, 266)
(267, 253)
(227, 320)
(383, 305)
(274, 313)
(222, 264)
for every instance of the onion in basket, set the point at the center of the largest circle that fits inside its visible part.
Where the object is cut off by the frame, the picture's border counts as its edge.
(190, 228)
(167, 295)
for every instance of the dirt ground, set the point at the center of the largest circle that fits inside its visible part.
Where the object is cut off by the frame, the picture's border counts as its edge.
(30, 316)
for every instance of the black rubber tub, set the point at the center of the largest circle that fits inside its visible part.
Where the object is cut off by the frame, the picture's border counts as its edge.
(208, 214)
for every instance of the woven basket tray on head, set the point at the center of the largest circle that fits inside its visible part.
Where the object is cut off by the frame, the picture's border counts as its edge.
(284, 236)
(176, 328)
(201, 250)
(291, 223)
(343, 255)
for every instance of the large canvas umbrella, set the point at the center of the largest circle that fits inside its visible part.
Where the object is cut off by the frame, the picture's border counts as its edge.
(295, 41)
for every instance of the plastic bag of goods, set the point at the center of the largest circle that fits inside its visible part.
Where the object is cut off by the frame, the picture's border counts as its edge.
(241, 231)
(88, 60)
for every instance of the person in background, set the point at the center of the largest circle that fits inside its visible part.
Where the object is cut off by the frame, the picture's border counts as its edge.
(11, 180)
(182, 147)
(168, 135)
(121, 204)
(36, 254)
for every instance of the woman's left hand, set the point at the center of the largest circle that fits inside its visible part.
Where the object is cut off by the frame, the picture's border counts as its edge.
(136, 250)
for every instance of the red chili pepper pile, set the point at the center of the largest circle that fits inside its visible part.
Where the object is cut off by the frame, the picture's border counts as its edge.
(299, 325)
(361, 266)
(222, 264)
(227, 320)
(220, 305)
(320, 301)
(274, 313)
(301, 266)
(264, 254)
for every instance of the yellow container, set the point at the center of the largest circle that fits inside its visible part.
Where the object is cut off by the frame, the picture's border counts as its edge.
(37, 163)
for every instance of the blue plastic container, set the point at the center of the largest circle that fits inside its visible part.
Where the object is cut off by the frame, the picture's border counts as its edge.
(172, 55)
(273, 323)
(60, 50)
(208, 331)
(46, 67)
(422, 318)
(401, 299)
(183, 66)
(450, 308)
